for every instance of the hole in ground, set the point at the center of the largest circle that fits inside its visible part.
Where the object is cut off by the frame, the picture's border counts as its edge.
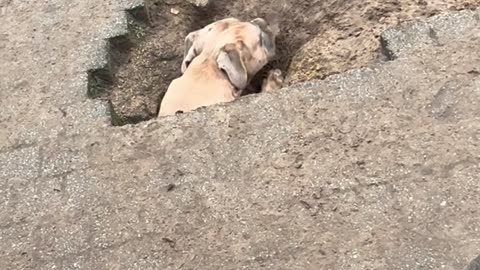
(341, 34)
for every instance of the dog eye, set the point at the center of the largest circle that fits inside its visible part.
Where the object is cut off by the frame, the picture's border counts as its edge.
(224, 72)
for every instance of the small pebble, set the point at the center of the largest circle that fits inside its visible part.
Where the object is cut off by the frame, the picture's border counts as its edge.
(174, 11)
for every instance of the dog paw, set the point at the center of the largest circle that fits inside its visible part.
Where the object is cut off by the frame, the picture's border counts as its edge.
(274, 81)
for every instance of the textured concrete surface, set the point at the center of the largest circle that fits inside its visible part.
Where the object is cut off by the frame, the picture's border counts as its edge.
(373, 169)
(474, 264)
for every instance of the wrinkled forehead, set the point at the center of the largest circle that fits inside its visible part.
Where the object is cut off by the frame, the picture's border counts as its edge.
(244, 31)
(212, 33)
(220, 25)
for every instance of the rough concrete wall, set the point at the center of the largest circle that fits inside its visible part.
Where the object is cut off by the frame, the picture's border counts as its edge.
(373, 169)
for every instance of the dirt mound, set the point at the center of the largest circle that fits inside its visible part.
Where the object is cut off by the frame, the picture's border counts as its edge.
(317, 38)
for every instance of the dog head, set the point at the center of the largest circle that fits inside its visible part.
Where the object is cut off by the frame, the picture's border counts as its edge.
(196, 40)
(257, 35)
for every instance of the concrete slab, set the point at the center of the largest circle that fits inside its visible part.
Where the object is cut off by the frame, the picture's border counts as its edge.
(372, 169)
(398, 41)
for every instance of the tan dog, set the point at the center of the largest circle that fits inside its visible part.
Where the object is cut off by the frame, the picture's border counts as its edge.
(219, 62)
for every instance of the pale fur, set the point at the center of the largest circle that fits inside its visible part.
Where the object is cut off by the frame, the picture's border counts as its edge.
(203, 82)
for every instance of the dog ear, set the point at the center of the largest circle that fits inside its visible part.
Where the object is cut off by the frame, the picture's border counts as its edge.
(267, 36)
(231, 61)
(189, 51)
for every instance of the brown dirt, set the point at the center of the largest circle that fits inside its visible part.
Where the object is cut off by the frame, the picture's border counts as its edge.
(318, 38)
(351, 39)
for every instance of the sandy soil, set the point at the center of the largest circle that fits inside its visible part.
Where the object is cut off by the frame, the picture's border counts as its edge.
(318, 38)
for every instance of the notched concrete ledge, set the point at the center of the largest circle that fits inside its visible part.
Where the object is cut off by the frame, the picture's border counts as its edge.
(127, 34)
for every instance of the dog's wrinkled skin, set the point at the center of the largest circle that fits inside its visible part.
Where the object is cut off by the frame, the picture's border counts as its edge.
(220, 60)
(195, 40)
